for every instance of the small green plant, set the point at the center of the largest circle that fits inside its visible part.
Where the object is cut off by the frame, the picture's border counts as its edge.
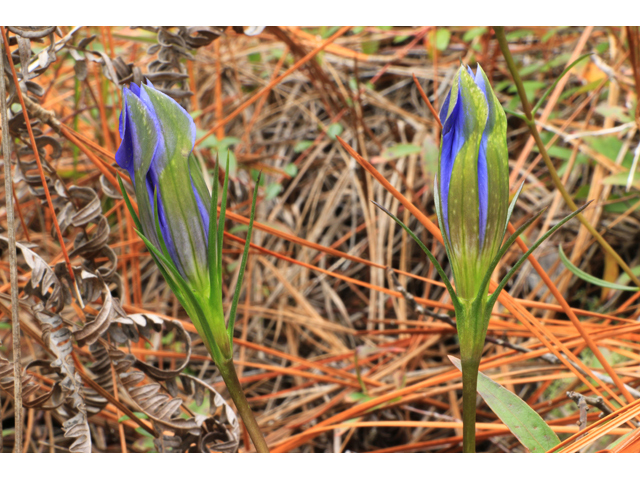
(177, 222)
(472, 204)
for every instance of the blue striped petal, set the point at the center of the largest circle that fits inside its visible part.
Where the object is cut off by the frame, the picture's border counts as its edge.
(452, 140)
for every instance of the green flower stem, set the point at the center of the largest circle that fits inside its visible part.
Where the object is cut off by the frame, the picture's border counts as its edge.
(526, 107)
(471, 323)
(469, 392)
(228, 372)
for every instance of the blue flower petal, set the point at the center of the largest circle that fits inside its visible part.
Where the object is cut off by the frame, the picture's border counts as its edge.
(125, 153)
(135, 89)
(203, 199)
(479, 80)
(452, 141)
(483, 179)
(470, 71)
(153, 172)
(158, 137)
(444, 110)
(185, 233)
(483, 188)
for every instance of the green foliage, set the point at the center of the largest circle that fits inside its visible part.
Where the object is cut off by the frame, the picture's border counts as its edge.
(531, 89)
(401, 150)
(431, 154)
(291, 169)
(272, 191)
(518, 34)
(473, 33)
(522, 420)
(615, 112)
(136, 414)
(221, 148)
(334, 130)
(610, 147)
(569, 92)
(302, 145)
(442, 38)
(326, 32)
(590, 278)
(370, 47)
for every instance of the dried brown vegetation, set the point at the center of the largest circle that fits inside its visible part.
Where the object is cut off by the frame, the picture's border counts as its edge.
(336, 351)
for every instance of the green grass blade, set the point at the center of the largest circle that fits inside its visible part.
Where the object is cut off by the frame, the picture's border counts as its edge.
(243, 263)
(212, 248)
(512, 205)
(590, 278)
(550, 89)
(223, 211)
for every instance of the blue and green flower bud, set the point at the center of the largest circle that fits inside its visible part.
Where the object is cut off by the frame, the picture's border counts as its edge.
(158, 136)
(174, 205)
(472, 186)
(178, 223)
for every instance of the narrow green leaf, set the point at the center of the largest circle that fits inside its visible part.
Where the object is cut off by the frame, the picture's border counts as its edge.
(243, 264)
(519, 115)
(619, 440)
(272, 191)
(507, 277)
(291, 169)
(302, 145)
(518, 34)
(624, 276)
(510, 241)
(401, 150)
(185, 295)
(512, 205)
(622, 179)
(473, 32)
(442, 38)
(212, 247)
(334, 130)
(223, 211)
(550, 89)
(432, 259)
(590, 278)
(522, 420)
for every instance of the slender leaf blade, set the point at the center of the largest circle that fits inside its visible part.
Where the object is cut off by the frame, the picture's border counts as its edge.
(212, 248)
(528, 427)
(514, 269)
(243, 263)
(590, 278)
(550, 89)
(512, 205)
(434, 261)
(223, 210)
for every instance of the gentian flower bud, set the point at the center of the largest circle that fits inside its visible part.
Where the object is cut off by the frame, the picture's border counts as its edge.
(158, 136)
(471, 194)
(472, 187)
(178, 223)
